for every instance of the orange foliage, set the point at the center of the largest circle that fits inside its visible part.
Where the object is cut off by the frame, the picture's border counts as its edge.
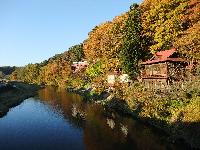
(105, 41)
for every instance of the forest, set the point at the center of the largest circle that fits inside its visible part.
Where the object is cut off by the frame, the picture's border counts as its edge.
(124, 42)
(121, 44)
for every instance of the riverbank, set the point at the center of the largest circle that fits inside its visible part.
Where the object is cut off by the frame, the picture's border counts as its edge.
(176, 111)
(13, 93)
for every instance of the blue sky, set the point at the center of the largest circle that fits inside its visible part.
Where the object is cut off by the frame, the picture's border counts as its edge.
(34, 30)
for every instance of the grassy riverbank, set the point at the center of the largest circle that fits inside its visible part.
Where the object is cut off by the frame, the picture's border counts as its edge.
(14, 94)
(175, 110)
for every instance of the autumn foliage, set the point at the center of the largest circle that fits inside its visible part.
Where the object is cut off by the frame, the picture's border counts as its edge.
(120, 44)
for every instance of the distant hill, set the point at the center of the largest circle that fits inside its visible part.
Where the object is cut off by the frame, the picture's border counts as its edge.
(7, 70)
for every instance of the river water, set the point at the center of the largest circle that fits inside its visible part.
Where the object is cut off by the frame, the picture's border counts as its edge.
(57, 120)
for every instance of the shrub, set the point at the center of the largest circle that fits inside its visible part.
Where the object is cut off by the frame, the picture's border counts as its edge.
(94, 70)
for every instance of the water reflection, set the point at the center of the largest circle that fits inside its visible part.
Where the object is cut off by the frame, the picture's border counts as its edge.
(110, 123)
(59, 120)
(124, 129)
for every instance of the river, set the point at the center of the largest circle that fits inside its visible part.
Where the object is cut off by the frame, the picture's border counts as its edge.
(57, 120)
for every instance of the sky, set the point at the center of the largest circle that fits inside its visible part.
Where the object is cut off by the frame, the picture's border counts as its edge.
(31, 31)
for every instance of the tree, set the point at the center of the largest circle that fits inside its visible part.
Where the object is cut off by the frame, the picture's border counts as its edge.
(104, 43)
(1, 75)
(30, 73)
(164, 21)
(189, 43)
(76, 52)
(94, 45)
(131, 51)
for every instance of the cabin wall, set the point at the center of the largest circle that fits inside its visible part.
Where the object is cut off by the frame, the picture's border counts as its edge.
(155, 70)
(176, 71)
(158, 76)
(155, 83)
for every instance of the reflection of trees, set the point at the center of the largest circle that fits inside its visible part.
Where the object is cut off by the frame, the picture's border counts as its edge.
(110, 123)
(97, 131)
(98, 135)
(61, 102)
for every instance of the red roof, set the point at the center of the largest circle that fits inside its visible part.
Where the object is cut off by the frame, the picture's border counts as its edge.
(166, 53)
(163, 56)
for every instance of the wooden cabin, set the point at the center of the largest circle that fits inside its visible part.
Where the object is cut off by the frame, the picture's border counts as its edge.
(164, 68)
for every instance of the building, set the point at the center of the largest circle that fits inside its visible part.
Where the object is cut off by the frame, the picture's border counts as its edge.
(78, 66)
(164, 68)
(117, 76)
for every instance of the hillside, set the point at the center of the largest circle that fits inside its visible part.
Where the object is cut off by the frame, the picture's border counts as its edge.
(6, 70)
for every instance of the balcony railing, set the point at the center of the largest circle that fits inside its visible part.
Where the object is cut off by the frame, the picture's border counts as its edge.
(158, 75)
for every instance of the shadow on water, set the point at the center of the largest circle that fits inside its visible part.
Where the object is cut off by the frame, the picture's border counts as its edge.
(63, 121)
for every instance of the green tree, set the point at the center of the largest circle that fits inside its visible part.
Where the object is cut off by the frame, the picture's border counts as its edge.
(1, 75)
(94, 70)
(76, 52)
(30, 73)
(131, 51)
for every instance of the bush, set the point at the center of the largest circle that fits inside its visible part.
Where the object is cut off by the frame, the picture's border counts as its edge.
(94, 70)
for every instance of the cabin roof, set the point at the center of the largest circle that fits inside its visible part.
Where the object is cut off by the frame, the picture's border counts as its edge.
(163, 56)
(166, 53)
